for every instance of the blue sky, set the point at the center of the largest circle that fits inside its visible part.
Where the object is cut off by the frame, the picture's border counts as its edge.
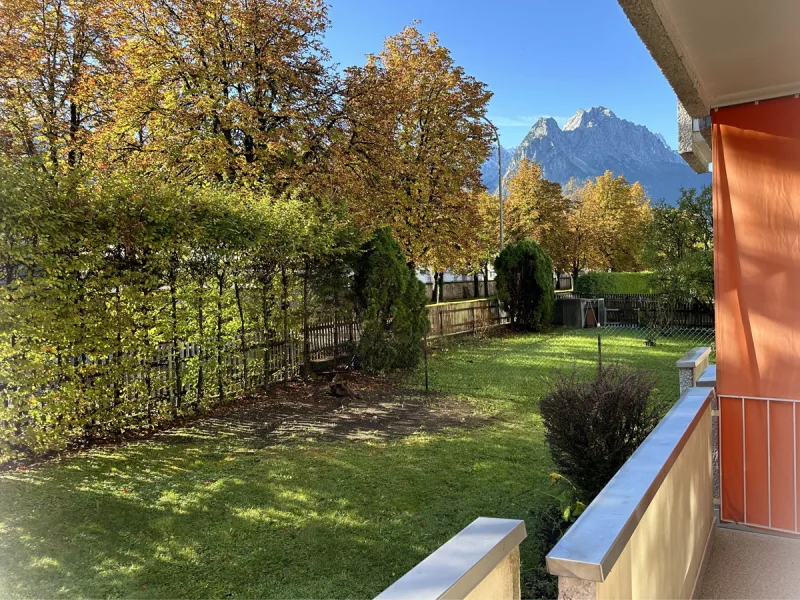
(540, 58)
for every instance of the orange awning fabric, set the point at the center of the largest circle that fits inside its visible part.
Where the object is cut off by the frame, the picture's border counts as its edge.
(757, 282)
(757, 246)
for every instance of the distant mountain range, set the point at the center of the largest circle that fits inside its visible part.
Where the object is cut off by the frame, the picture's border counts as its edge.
(593, 142)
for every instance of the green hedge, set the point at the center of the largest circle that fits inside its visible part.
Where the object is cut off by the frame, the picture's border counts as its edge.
(128, 302)
(599, 283)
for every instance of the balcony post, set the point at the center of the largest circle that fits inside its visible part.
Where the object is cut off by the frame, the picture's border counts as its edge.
(691, 366)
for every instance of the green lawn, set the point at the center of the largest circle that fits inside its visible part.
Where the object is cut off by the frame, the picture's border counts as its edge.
(218, 517)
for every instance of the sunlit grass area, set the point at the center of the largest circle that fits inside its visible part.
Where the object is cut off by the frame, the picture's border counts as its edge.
(514, 371)
(215, 516)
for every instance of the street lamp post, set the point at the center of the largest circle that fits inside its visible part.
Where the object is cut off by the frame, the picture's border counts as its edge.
(499, 175)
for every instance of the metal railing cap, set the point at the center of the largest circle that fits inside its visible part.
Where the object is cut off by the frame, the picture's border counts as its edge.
(461, 563)
(591, 547)
(693, 357)
(708, 378)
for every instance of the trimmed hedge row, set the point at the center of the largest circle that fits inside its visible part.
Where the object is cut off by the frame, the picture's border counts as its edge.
(598, 283)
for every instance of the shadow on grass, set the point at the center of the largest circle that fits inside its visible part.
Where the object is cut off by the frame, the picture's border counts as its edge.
(214, 518)
(205, 513)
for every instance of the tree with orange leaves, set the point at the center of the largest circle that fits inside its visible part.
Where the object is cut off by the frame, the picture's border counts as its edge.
(230, 90)
(415, 144)
(55, 62)
(607, 224)
(536, 209)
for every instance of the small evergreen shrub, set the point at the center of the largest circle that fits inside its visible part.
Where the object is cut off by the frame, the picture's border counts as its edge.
(599, 283)
(593, 427)
(525, 285)
(391, 302)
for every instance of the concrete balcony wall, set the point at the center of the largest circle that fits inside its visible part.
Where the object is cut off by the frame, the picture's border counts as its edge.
(480, 563)
(664, 557)
(649, 532)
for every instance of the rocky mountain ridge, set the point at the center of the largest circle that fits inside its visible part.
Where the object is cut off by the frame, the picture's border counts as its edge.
(594, 141)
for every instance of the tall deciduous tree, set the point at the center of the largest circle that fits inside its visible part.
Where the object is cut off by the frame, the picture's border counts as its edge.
(55, 60)
(486, 240)
(607, 224)
(223, 89)
(536, 209)
(415, 144)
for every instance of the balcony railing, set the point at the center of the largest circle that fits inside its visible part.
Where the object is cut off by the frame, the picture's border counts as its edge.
(480, 563)
(648, 533)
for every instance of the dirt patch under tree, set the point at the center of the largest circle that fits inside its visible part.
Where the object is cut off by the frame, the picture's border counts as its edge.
(376, 410)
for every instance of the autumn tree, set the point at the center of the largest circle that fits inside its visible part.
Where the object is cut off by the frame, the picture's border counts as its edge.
(579, 242)
(624, 211)
(55, 61)
(415, 144)
(223, 89)
(536, 209)
(485, 242)
(607, 224)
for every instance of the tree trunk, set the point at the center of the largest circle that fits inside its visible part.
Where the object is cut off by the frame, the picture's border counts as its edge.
(306, 341)
(220, 374)
(435, 290)
(176, 351)
(284, 308)
(476, 286)
(201, 341)
(267, 341)
(441, 286)
(486, 280)
(242, 335)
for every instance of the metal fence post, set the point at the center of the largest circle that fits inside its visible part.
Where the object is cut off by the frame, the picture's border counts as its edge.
(335, 340)
(171, 375)
(425, 358)
(599, 353)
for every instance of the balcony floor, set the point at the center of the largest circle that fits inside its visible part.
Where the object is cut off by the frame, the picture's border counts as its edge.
(751, 565)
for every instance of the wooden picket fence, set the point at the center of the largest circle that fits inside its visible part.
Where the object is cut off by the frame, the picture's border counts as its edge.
(465, 317)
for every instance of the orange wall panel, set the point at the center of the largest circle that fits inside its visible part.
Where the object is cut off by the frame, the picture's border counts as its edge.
(731, 463)
(781, 464)
(757, 248)
(756, 482)
(757, 286)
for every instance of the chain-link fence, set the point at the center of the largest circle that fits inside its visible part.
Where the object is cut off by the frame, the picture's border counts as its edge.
(496, 362)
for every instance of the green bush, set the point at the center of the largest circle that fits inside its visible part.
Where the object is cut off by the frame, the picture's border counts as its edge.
(128, 302)
(598, 283)
(593, 427)
(525, 284)
(545, 526)
(391, 302)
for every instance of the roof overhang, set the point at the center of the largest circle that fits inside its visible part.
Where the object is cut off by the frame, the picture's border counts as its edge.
(721, 52)
(718, 53)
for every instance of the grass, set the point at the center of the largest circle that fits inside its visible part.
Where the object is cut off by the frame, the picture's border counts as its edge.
(217, 517)
(501, 373)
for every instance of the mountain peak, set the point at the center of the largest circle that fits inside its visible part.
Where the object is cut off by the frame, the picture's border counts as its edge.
(543, 127)
(601, 111)
(594, 141)
(589, 118)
